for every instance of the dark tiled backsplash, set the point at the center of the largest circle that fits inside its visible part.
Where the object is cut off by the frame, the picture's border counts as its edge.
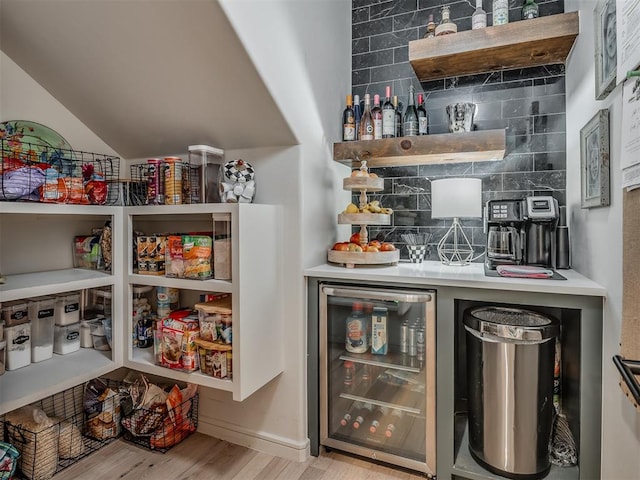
(528, 102)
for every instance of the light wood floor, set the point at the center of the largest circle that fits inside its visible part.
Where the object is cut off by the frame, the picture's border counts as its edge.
(205, 458)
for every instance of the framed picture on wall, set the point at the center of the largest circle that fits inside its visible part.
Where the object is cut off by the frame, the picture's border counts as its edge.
(606, 47)
(594, 161)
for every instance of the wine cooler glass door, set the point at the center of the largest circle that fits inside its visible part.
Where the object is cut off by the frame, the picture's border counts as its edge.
(377, 380)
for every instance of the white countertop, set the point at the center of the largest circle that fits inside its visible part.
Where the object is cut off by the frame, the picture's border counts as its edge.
(436, 274)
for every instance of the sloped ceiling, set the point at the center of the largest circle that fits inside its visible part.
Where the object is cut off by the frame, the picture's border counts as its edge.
(149, 77)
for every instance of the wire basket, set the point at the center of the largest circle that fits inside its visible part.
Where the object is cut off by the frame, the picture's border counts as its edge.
(40, 173)
(51, 434)
(169, 181)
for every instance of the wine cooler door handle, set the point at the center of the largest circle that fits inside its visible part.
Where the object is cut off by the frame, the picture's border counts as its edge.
(393, 296)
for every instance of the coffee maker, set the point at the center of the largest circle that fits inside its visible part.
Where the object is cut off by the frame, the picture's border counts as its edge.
(521, 232)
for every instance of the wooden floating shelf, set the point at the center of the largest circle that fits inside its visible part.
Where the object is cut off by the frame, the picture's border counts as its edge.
(478, 146)
(364, 219)
(526, 43)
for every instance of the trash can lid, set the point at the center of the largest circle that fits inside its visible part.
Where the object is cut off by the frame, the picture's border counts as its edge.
(511, 323)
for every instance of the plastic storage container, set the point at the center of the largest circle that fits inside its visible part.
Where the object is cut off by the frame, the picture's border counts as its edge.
(101, 299)
(41, 316)
(67, 309)
(510, 363)
(15, 313)
(85, 334)
(18, 346)
(66, 339)
(204, 166)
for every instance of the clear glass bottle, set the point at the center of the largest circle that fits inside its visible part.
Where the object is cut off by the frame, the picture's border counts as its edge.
(423, 121)
(388, 116)
(398, 112)
(348, 121)
(366, 121)
(479, 17)
(431, 27)
(500, 12)
(376, 114)
(530, 10)
(410, 123)
(446, 26)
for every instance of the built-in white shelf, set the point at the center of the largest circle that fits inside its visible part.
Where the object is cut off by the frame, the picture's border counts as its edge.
(26, 285)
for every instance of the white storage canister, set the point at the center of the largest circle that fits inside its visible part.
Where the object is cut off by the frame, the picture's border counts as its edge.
(15, 313)
(3, 361)
(18, 346)
(85, 334)
(68, 309)
(41, 316)
(66, 339)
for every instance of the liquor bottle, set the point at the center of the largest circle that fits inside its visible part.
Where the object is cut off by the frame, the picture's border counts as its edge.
(350, 414)
(376, 114)
(500, 12)
(410, 123)
(365, 375)
(364, 413)
(398, 112)
(446, 26)
(348, 121)
(356, 338)
(431, 28)
(366, 121)
(378, 414)
(423, 121)
(388, 116)
(357, 113)
(394, 421)
(530, 10)
(479, 17)
(349, 373)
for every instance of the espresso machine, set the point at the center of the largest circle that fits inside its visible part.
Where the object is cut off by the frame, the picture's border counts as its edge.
(521, 232)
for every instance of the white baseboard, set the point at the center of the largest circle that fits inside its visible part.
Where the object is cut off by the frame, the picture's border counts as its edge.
(263, 442)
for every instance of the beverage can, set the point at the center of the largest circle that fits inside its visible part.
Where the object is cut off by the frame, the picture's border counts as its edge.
(404, 337)
(412, 341)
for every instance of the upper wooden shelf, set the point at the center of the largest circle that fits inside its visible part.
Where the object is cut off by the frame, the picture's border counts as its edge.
(526, 43)
(482, 145)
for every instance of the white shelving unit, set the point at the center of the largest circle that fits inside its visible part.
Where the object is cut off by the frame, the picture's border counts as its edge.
(36, 259)
(254, 287)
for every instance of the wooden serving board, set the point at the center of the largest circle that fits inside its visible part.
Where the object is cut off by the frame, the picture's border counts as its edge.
(351, 259)
(364, 219)
(363, 184)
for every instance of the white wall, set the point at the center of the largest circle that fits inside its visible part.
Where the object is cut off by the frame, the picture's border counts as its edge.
(596, 240)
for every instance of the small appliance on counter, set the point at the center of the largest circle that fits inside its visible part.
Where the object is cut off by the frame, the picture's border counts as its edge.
(521, 232)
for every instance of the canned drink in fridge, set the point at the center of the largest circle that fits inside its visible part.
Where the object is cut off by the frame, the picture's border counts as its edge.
(412, 341)
(173, 180)
(420, 343)
(404, 337)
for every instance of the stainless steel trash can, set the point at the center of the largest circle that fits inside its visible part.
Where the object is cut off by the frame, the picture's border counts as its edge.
(510, 360)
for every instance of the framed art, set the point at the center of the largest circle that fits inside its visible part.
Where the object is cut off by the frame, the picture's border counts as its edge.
(594, 161)
(606, 47)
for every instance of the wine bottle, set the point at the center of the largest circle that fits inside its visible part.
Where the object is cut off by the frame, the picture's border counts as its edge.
(446, 26)
(366, 121)
(530, 10)
(376, 114)
(500, 12)
(349, 415)
(398, 113)
(378, 414)
(423, 121)
(431, 28)
(388, 116)
(357, 113)
(348, 121)
(394, 421)
(410, 123)
(479, 17)
(362, 415)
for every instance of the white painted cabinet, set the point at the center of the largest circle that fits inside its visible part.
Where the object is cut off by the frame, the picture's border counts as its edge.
(36, 259)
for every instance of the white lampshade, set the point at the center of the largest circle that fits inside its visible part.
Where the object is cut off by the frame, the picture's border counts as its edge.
(456, 198)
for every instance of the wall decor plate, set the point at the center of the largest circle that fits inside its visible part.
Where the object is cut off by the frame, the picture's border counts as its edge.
(24, 136)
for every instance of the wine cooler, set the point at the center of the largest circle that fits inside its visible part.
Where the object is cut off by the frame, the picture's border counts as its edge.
(377, 373)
